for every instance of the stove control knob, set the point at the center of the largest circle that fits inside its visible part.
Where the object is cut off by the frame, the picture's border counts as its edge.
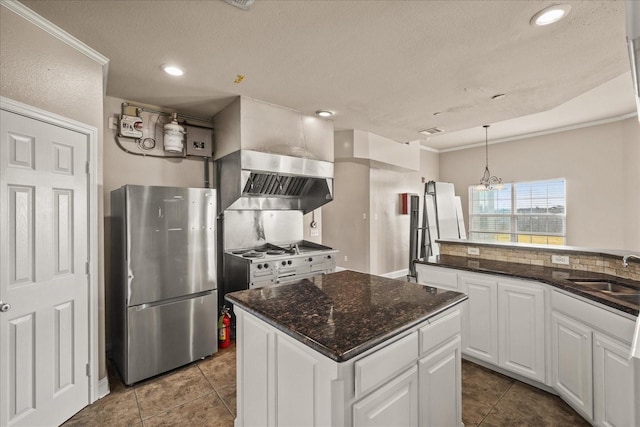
(310, 259)
(289, 262)
(259, 266)
(266, 265)
(328, 256)
(285, 262)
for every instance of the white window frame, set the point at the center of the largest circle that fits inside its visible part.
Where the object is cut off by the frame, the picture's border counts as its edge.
(513, 216)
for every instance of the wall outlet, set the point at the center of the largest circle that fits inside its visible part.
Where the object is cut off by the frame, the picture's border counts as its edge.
(473, 251)
(315, 232)
(346, 258)
(560, 259)
(113, 123)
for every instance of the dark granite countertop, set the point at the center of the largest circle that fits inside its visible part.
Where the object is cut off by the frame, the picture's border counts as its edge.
(557, 277)
(346, 313)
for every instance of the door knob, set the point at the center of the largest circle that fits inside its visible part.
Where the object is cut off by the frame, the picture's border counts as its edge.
(4, 307)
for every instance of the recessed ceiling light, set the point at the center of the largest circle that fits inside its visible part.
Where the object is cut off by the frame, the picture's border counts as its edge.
(324, 113)
(550, 14)
(498, 96)
(172, 70)
(437, 113)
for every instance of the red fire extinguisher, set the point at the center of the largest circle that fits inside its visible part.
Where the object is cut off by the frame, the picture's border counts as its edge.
(224, 328)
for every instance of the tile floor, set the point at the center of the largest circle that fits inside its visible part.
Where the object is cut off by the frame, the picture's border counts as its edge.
(204, 394)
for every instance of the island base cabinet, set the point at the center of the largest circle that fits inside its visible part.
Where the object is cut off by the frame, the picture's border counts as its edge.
(613, 383)
(571, 363)
(441, 387)
(394, 404)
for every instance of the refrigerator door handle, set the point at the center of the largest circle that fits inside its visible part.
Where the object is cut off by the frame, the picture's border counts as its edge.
(172, 300)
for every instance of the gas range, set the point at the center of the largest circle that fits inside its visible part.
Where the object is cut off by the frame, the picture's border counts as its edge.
(270, 264)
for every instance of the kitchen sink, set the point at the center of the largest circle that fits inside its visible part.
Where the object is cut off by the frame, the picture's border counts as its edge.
(613, 288)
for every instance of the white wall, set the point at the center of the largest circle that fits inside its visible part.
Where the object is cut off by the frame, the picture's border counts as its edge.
(364, 220)
(600, 163)
(40, 70)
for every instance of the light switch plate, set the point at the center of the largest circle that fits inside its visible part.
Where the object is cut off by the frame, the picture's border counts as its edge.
(315, 232)
(473, 251)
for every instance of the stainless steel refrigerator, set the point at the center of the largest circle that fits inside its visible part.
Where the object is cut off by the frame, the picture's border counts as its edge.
(162, 294)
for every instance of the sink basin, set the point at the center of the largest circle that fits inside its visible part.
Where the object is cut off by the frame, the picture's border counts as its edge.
(605, 286)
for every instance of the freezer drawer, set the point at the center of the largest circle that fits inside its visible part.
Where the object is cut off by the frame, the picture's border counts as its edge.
(166, 335)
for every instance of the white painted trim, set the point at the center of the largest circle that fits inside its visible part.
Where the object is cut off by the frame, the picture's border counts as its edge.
(103, 387)
(92, 140)
(543, 132)
(425, 148)
(396, 274)
(49, 27)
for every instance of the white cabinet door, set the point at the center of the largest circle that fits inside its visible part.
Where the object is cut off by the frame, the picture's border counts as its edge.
(521, 329)
(613, 383)
(441, 386)
(571, 363)
(394, 404)
(480, 318)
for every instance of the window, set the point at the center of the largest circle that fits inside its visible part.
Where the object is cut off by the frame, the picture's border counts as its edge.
(524, 212)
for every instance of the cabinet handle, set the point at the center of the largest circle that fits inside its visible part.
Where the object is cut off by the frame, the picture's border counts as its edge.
(584, 336)
(598, 343)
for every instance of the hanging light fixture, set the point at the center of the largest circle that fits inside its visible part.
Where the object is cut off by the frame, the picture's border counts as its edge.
(488, 182)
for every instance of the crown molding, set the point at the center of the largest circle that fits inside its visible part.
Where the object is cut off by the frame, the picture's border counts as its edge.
(49, 27)
(543, 132)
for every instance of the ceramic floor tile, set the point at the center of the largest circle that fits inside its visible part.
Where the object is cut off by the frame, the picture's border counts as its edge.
(524, 405)
(176, 388)
(205, 411)
(228, 396)
(481, 389)
(115, 409)
(220, 369)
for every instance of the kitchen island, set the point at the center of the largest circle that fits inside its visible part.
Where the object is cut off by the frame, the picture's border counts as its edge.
(348, 349)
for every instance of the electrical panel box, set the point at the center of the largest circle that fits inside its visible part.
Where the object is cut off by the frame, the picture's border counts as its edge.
(199, 141)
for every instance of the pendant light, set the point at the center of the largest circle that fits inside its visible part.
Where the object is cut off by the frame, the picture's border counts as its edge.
(488, 182)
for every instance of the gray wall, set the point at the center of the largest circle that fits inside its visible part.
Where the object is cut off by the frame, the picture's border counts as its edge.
(600, 163)
(39, 70)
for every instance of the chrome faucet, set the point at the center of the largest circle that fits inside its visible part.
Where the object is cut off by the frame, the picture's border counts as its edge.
(625, 264)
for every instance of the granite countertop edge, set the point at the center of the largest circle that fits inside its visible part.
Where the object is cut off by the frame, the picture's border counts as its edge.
(355, 351)
(540, 274)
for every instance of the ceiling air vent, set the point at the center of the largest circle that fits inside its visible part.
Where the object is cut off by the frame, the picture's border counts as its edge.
(431, 131)
(241, 4)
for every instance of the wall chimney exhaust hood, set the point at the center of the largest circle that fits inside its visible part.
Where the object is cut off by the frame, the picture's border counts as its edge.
(272, 158)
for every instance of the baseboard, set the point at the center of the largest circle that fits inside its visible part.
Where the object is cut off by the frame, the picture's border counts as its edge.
(103, 387)
(396, 274)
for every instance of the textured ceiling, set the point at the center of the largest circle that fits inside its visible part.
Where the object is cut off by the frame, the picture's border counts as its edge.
(382, 66)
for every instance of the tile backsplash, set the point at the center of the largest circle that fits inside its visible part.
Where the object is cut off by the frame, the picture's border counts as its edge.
(597, 263)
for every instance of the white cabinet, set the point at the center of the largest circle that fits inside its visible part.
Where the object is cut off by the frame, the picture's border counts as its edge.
(440, 386)
(480, 317)
(612, 383)
(410, 380)
(571, 363)
(395, 403)
(521, 329)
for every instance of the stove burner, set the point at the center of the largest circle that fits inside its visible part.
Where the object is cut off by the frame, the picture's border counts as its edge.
(275, 252)
(261, 250)
(252, 254)
(240, 252)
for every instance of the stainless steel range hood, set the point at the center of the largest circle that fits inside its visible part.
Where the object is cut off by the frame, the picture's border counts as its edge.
(272, 158)
(251, 180)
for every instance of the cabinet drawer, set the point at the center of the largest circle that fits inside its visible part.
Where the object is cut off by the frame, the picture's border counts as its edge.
(437, 276)
(610, 323)
(439, 330)
(384, 364)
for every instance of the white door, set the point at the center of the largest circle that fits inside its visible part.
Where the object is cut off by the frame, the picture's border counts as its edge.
(480, 318)
(571, 364)
(44, 343)
(440, 382)
(393, 404)
(521, 329)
